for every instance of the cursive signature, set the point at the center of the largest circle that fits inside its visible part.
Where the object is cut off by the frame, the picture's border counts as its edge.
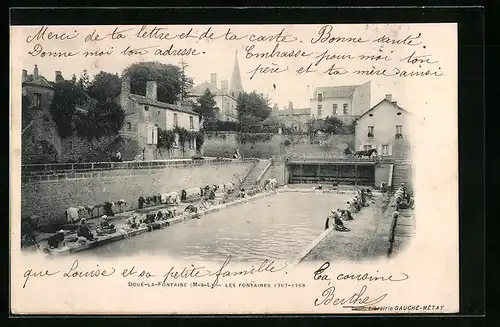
(320, 274)
(357, 299)
(201, 271)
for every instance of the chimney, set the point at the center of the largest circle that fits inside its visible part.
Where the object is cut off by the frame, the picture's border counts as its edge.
(59, 76)
(35, 73)
(290, 105)
(151, 90)
(213, 79)
(25, 75)
(388, 97)
(125, 92)
(224, 85)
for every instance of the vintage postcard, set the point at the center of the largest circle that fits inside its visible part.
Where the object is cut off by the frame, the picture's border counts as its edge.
(234, 169)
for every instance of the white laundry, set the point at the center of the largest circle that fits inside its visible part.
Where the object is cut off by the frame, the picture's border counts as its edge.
(72, 214)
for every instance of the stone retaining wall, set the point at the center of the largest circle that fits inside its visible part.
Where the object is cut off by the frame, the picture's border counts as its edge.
(49, 196)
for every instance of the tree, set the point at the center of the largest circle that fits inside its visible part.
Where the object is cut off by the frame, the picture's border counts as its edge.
(169, 78)
(66, 96)
(333, 125)
(186, 82)
(84, 81)
(104, 86)
(206, 108)
(252, 108)
(101, 119)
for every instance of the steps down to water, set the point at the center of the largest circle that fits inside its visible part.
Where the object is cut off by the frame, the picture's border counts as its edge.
(402, 174)
(251, 179)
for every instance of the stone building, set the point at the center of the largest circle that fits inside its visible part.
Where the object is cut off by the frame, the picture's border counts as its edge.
(145, 115)
(296, 119)
(387, 128)
(344, 102)
(225, 96)
(40, 142)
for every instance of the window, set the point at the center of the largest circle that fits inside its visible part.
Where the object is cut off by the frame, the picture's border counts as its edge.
(191, 122)
(191, 143)
(335, 109)
(399, 131)
(346, 108)
(70, 145)
(320, 97)
(129, 126)
(146, 111)
(385, 150)
(320, 109)
(155, 134)
(370, 131)
(176, 122)
(38, 101)
(367, 147)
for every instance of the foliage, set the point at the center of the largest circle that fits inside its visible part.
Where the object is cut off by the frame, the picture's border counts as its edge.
(331, 125)
(166, 139)
(102, 118)
(351, 128)
(243, 138)
(170, 79)
(184, 136)
(84, 81)
(286, 142)
(347, 151)
(206, 108)
(186, 82)
(221, 126)
(105, 86)
(48, 152)
(200, 139)
(26, 115)
(229, 126)
(252, 108)
(66, 96)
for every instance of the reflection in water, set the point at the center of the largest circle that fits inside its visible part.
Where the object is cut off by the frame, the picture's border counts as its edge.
(275, 227)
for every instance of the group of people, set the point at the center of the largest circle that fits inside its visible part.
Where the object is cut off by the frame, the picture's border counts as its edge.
(152, 220)
(75, 214)
(338, 216)
(403, 199)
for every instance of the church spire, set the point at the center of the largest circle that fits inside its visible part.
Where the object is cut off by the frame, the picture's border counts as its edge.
(236, 86)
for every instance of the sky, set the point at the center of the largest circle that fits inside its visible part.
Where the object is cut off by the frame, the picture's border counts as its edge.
(437, 43)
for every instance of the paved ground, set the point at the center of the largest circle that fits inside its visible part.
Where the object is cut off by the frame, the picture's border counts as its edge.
(366, 238)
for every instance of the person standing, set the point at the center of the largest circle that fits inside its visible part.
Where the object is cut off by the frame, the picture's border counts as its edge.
(118, 156)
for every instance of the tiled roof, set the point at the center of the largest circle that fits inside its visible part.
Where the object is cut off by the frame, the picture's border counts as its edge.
(41, 81)
(383, 100)
(335, 91)
(155, 103)
(289, 112)
(201, 88)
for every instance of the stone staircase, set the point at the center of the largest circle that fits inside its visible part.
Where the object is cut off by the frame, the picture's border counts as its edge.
(251, 178)
(404, 231)
(402, 173)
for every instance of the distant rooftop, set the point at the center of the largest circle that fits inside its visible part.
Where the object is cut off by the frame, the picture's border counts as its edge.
(155, 103)
(335, 91)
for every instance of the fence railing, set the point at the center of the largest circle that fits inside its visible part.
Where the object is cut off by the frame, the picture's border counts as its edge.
(40, 169)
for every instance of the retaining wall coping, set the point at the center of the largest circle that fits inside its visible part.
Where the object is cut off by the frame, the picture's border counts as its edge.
(45, 174)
